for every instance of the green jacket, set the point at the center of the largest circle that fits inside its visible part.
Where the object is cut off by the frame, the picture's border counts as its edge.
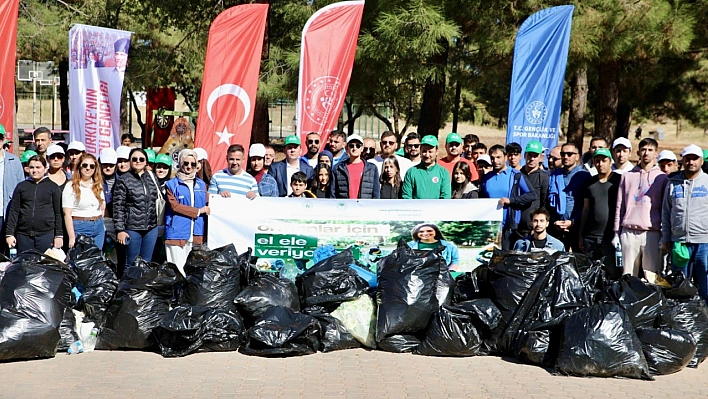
(427, 183)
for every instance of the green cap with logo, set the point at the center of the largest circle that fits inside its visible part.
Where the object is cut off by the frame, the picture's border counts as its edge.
(27, 155)
(429, 140)
(2, 129)
(164, 159)
(605, 152)
(292, 140)
(151, 155)
(705, 155)
(453, 138)
(534, 146)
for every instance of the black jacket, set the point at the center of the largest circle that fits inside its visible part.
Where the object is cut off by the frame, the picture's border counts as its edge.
(134, 199)
(537, 179)
(35, 209)
(369, 188)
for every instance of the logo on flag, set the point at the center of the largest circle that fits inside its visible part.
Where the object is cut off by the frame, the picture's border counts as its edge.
(536, 112)
(320, 96)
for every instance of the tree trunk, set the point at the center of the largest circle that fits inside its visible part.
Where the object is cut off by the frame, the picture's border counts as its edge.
(624, 120)
(578, 105)
(607, 100)
(261, 132)
(456, 108)
(430, 120)
(64, 93)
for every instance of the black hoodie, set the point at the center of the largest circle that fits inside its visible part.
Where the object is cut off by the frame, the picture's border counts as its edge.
(35, 209)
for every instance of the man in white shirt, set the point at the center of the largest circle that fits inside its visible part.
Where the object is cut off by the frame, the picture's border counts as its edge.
(621, 148)
(389, 145)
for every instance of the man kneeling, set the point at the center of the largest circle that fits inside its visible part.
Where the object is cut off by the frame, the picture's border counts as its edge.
(539, 240)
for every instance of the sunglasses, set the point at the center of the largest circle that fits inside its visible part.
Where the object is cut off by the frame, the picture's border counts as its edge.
(137, 160)
(355, 145)
(413, 145)
(313, 141)
(56, 156)
(369, 149)
(567, 154)
(388, 142)
(454, 144)
(91, 166)
(552, 159)
(192, 164)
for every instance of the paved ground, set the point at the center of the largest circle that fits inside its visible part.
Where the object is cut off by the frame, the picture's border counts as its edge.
(346, 374)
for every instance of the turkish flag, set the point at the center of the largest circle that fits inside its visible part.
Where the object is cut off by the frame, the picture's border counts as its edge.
(326, 58)
(233, 60)
(8, 47)
(159, 126)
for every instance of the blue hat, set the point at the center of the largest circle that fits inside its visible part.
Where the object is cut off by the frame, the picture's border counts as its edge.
(121, 45)
(328, 154)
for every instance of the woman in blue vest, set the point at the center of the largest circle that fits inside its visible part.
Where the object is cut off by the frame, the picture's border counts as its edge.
(186, 215)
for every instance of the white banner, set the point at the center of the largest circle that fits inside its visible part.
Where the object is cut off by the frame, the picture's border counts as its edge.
(97, 61)
(278, 228)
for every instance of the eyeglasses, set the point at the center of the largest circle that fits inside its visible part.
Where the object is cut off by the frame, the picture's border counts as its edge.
(56, 156)
(137, 160)
(355, 145)
(412, 145)
(567, 154)
(313, 141)
(387, 142)
(91, 166)
(192, 164)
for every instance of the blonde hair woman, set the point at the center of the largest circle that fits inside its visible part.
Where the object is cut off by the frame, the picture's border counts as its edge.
(83, 202)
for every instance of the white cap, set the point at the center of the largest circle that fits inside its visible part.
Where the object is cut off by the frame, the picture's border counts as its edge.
(201, 154)
(76, 145)
(667, 155)
(54, 149)
(257, 150)
(692, 149)
(355, 137)
(622, 141)
(123, 152)
(108, 156)
(485, 158)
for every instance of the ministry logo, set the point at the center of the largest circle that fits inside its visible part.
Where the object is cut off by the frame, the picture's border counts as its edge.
(320, 97)
(536, 112)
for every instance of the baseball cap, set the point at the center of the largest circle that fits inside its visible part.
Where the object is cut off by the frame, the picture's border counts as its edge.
(76, 145)
(2, 129)
(108, 156)
(602, 152)
(163, 159)
(355, 137)
(201, 154)
(534, 146)
(257, 150)
(27, 155)
(453, 138)
(123, 152)
(151, 155)
(484, 158)
(692, 149)
(705, 154)
(54, 149)
(429, 140)
(292, 140)
(622, 141)
(667, 155)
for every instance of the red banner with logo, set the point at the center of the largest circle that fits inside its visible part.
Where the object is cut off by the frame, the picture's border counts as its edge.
(326, 58)
(8, 47)
(159, 126)
(228, 99)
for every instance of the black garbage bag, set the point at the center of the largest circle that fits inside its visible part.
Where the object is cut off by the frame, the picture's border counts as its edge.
(35, 293)
(331, 281)
(667, 351)
(213, 278)
(399, 343)
(140, 304)
(690, 316)
(335, 335)
(282, 332)
(67, 330)
(445, 289)
(642, 302)
(407, 290)
(84, 248)
(472, 285)
(681, 288)
(96, 276)
(265, 291)
(599, 341)
(192, 329)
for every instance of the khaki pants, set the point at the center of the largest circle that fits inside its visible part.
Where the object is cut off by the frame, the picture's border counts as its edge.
(640, 249)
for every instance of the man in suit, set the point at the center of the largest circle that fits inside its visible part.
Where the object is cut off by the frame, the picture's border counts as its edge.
(284, 170)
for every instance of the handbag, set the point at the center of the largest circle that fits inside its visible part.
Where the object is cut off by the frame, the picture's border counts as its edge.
(160, 203)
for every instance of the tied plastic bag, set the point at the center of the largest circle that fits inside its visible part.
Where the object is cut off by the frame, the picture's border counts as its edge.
(331, 282)
(472, 285)
(191, 329)
(96, 276)
(67, 330)
(667, 351)
(399, 343)
(407, 290)
(690, 316)
(141, 302)
(359, 318)
(34, 295)
(600, 341)
(266, 291)
(335, 336)
(642, 302)
(213, 277)
(283, 332)
(681, 288)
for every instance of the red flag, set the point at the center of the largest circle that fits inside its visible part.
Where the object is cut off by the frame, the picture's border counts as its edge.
(228, 99)
(326, 58)
(8, 46)
(158, 127)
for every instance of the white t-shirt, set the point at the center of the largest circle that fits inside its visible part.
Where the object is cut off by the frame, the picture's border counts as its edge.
(290, 170)
(87, 207)
(403, 163)
(626, 168)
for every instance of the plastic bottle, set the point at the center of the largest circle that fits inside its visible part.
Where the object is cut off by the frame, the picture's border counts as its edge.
(289, 271)
(90, 341)
(618, 256)
(76, 347)
(13, 253)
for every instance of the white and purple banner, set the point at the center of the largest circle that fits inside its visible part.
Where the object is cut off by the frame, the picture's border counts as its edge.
(97, 60)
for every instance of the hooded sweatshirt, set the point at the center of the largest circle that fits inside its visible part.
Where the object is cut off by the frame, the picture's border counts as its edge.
(639, 199)
(685, 211)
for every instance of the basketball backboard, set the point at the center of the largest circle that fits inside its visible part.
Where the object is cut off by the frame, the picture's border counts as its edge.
(28, 70)
(24, 69)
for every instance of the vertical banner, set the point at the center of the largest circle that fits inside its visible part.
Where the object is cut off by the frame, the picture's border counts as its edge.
(540, 57)
(8, 47)
(228, 99)
(158, 127)
(97, 61)
(327, 51)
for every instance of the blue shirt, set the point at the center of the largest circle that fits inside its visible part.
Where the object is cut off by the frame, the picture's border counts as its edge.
(501, 185)
(574, 181)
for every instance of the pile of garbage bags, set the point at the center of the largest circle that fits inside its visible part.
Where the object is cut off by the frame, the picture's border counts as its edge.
(557, 311)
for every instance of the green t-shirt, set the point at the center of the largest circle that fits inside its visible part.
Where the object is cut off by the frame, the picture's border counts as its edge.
(427, 183)
(427, 246)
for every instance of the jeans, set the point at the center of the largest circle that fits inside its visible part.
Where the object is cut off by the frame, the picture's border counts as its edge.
(92, 228)
(697, 268)
(41, 243)
(141, 243)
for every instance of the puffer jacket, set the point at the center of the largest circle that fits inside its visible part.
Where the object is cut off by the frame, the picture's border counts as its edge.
(370, 187)
(684, 215)
(134, 199)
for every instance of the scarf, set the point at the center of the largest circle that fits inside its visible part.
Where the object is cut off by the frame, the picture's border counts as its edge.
(186, 177)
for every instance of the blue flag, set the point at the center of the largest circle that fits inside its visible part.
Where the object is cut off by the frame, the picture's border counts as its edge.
(540, 57)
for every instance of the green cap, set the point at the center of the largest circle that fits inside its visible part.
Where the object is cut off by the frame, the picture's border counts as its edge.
(164, 159)
(705, 155)
(151, 155)
(27, 155)
(429, 140)
(534, 146)
(605, 152)
(292, 140)
(453, 138)
(2, 129)
(680, 255)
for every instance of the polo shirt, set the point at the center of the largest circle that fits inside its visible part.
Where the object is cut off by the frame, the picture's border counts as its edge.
(240, 184)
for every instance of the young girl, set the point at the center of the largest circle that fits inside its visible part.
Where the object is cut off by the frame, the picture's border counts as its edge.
(391, 179)
(462, 188)
(321, 181)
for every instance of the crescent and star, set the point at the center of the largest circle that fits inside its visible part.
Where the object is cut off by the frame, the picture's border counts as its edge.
(236, 91)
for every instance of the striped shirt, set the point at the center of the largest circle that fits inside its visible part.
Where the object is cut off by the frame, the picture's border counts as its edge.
(241, 184)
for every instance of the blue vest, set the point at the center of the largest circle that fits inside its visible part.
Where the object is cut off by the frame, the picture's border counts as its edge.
(177, 226)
